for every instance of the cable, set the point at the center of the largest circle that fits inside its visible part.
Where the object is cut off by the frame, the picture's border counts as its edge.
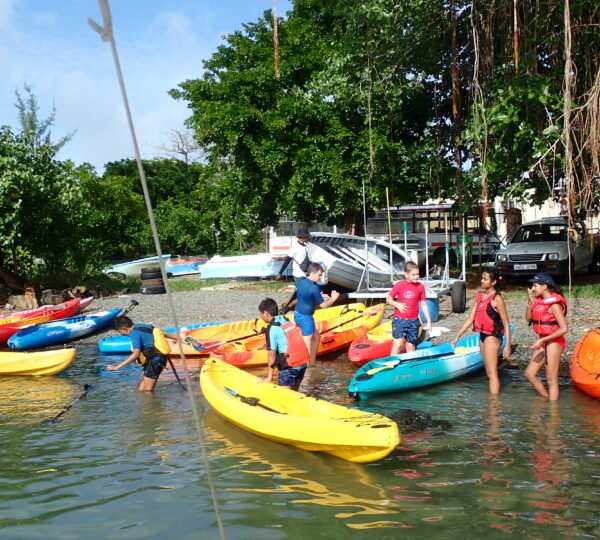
(107, 35)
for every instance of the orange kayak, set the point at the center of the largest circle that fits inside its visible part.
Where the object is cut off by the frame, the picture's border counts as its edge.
(237, 333)
(585, 364)
(336, 332)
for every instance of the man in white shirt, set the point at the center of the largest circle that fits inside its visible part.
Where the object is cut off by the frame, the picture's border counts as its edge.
(298, 253)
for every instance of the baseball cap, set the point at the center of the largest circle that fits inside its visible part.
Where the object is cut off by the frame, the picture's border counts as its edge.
(303, 233)
(543, 279)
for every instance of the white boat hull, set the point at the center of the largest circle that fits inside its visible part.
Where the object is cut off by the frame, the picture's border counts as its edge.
(133, 268)
(262, 265)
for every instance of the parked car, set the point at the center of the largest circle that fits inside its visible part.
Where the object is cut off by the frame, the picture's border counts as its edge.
(548, 245)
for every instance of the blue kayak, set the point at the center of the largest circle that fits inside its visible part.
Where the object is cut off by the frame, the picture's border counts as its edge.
(418, 368)
(122, 344)
(61, 331)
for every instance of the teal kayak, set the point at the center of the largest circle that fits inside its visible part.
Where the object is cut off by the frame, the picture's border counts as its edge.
(418, 368)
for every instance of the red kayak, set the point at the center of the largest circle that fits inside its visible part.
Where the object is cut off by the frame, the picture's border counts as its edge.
(585, 364)
(10, 326)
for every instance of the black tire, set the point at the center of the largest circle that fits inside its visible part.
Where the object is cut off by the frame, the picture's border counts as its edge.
(153, 282)
(564, 278)
(150, 275)
(459, 297)
(159, 289)
(595, 264)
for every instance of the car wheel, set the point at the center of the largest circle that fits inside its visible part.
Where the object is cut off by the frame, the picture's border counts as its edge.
(594, 267)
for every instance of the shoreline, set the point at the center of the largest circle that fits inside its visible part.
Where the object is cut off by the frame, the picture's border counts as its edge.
(240, 301)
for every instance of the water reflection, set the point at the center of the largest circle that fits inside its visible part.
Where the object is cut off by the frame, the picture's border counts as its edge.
(348, 488)
(33, 399)
(552, 468)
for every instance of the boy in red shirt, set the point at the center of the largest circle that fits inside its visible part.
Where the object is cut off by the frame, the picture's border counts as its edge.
(405, 297)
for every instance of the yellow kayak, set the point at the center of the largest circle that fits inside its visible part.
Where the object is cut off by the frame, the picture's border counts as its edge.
(36, 363)
(289, 417)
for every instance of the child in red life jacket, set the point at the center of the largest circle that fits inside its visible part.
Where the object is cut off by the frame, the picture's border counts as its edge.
(490, 318)
(546, 310)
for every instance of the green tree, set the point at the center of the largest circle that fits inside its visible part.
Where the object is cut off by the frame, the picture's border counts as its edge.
(34, 130)
(41, 206)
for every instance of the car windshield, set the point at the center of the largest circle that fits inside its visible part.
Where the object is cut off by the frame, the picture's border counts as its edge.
(541, 233)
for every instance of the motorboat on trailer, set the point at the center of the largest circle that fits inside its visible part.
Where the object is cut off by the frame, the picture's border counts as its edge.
(380, 262)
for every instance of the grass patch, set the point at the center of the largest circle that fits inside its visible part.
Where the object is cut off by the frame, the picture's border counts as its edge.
(192, 284)
(590, 290)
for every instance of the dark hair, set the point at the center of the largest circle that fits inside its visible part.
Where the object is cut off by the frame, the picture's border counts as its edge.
(123, 321)
(495, 276)
(270, 306)
(556, 289)
(410, 265)
(313, 267)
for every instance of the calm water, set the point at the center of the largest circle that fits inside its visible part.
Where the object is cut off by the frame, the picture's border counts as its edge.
(123, 465)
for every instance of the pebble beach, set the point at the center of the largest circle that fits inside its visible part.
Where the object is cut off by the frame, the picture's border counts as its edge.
(239, 300)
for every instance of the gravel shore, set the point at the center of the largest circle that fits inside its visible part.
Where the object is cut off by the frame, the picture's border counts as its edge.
(239, 301)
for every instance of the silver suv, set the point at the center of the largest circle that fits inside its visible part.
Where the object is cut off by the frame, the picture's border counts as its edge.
(547, 245)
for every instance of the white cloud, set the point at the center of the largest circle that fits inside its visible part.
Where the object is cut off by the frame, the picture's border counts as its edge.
(51, 47)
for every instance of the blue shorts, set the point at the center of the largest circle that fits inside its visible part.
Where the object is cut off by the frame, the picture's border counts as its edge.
(292, 376)
(406, 329)
(154, 367)
(306, 323)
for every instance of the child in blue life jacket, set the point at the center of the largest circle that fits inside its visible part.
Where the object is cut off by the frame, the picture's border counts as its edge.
(291, 370)
(489, 317)
(144, 351)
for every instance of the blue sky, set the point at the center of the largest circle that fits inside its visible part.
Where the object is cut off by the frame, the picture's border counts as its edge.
(49, 45)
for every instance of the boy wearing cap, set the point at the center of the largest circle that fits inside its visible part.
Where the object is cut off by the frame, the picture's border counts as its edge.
(299, 254)
(546, 310)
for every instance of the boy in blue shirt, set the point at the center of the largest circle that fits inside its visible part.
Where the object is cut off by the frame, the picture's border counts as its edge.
(309, 299)
(142, 343)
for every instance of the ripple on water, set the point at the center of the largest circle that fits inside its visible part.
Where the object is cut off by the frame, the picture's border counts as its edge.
(121, 464)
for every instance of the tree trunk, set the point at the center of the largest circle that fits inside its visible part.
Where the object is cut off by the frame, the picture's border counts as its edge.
(456, 99)
(12, 280)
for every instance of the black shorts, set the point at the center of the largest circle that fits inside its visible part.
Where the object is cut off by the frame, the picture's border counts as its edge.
(153, 367)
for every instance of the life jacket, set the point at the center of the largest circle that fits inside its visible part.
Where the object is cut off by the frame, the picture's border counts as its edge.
(280, 357)
(543, 322)
(296, 354)
(159, 348)
(487, 319)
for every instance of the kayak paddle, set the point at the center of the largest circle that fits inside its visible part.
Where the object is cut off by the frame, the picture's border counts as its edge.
(250, 400)
(53, 420)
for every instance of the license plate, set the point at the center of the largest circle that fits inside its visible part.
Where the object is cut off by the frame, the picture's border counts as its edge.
(525, 266)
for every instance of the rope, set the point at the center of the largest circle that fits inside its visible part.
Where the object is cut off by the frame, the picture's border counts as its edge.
(107, 35)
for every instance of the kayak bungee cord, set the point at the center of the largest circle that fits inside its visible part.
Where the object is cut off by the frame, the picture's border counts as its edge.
(106, 34)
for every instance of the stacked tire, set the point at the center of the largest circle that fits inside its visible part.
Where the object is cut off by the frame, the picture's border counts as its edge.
(152, 281)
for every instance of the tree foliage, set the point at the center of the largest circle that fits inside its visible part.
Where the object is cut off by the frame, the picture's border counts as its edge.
(364, 94)
(41, 206)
